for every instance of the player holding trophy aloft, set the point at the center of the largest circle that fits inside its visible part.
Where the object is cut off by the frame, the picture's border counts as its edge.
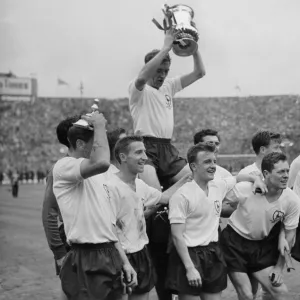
(151, 106)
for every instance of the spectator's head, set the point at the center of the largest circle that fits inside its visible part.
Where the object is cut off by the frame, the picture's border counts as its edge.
(63, 128)
(161, 72)
(208, 136)
(264, 142)
(130, 153)
(113, 136)
(275, 169)
(81, 141)
(202, 161)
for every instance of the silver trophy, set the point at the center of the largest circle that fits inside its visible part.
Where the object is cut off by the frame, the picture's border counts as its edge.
(180, 17)
(83, 123)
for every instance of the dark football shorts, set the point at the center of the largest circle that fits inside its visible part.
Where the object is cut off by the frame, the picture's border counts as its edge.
(209, 262)
(92, 271)
(164, 157)
(249, 256)
(66, 245)
(142, 264)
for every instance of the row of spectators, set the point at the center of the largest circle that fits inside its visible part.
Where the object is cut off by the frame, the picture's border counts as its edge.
(29, 129)
(22, 177)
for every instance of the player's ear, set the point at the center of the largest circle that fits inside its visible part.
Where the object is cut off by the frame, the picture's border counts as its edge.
(265, 173)
(262, 149)
(192, 166)
(122, 156)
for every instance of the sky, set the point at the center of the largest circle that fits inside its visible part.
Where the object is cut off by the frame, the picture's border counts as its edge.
(250, 44)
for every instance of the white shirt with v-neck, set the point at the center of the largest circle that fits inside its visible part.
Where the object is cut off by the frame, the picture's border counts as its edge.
(255, 216)
(128, 207)
(152, 110)
(199, 212)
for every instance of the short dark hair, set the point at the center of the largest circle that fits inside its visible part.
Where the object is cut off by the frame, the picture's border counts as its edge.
(123, 144)
(63, 128)
(270, 160)
(263, 138)
(198, 137)
(153, 53)
(112, 137)
(78, 133)
(200, 147)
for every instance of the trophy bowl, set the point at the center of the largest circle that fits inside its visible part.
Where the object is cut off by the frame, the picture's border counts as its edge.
(186, 34)
(83, 123)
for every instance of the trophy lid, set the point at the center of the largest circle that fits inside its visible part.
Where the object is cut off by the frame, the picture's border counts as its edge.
(83, 124)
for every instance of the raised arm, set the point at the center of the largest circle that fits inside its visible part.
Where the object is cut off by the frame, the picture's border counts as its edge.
(99, 160)
(198, 72)
(151, 67)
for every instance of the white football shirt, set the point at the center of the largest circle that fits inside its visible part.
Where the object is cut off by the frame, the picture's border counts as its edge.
(252, 170)
(83, 203)
(294, 170)
(128, 208)
(255, 216)
(152, 109)
(221, 173)
(200, 213)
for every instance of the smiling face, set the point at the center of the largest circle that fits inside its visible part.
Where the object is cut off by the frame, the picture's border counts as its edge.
(161, 73)
(135, 158)
(279, 176)
(204, 167)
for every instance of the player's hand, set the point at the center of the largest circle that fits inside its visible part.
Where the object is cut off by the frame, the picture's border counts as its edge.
(130, 276)
(259, 185)
(95, 119)
(193, 277)
(60, 261)
(276, 277)
(283, 245)
(169, 38)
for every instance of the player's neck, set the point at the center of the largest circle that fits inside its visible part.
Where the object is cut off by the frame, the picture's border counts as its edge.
(258, 162)
(115, 163)
(126, 175)
(203, 184)
(149, 82)
(273, 193)
(74, 154)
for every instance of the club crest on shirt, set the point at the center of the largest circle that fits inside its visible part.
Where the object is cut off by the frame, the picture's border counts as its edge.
(277, 216)
(217, 206)
(168, 101)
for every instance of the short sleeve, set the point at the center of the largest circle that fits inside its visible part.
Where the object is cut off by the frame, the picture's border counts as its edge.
(179, 209)
(291, 218)
(296, 187)
(68, 170)
(240, 192)
(134, 94)
(174, 84)
(152, 196)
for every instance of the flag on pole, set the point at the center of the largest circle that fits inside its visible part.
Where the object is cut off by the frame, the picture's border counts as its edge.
(61, 82)
(81, 88)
